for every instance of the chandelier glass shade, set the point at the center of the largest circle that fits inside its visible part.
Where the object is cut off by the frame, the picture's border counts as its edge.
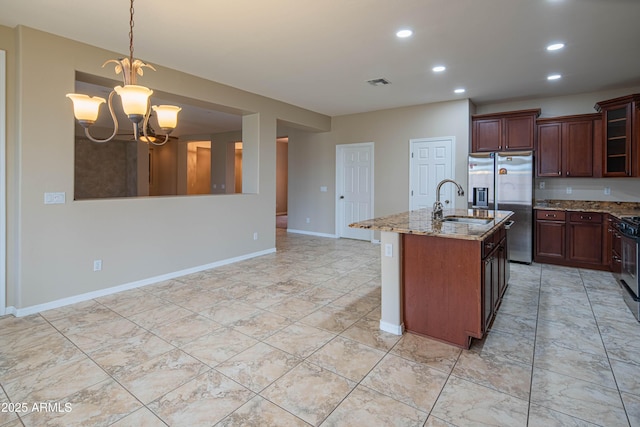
(135, 101)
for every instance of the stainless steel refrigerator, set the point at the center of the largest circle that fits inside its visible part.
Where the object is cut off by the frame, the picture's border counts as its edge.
(504, 181)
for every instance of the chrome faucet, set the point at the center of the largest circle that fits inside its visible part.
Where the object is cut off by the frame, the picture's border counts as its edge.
(436, 215)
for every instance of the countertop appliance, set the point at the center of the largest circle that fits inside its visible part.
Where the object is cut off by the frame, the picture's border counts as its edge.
(504, 181)
(628, 227)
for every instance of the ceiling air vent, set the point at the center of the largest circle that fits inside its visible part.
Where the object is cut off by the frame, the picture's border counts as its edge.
(378, 82)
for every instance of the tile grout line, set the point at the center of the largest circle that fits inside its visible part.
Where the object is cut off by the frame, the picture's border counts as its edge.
(605, 349)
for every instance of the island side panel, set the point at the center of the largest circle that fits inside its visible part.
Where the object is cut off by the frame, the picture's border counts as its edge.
(391, 270)
(442, 296)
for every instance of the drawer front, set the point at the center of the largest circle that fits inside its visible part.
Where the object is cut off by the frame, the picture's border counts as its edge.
(550, 215)
(585, 217)
(489, 243)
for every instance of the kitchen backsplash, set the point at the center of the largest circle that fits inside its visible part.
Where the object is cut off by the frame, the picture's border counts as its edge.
(619, 189)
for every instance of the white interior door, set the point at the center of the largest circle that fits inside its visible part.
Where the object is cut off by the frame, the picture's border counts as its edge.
(354, 189)
(431, 161)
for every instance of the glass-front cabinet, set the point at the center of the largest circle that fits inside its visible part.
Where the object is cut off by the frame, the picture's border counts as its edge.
(621, 141)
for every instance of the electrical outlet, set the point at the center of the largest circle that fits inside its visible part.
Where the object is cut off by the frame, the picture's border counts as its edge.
(569, 190)
(323, 189)
(97, 264)
(541, 185)
(607, 191)
(308, 220)
(255, 236)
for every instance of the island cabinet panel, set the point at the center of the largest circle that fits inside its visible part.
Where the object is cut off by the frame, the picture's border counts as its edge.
(442, 290)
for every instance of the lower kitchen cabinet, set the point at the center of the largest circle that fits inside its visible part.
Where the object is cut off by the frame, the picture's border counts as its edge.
(494, 275)
(569, 238)
(550, 236)
(584, 236)
(614, 246)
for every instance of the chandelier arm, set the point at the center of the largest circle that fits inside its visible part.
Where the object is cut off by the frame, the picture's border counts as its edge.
(115, 123)
(166, 138)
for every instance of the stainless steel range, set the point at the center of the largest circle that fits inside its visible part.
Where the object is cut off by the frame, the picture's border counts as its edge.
(628, 228)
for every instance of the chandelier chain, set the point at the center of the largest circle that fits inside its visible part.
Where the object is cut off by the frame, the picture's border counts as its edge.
(131, 33)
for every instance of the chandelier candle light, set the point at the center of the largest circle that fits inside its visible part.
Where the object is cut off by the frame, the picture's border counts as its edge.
(135, 101)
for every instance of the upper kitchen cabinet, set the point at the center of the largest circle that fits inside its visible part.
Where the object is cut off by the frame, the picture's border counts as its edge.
(621, 130)
(566, 146)
(508, 131)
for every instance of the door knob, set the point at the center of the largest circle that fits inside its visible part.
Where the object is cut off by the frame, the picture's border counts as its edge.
(446, 202)
(342, 197)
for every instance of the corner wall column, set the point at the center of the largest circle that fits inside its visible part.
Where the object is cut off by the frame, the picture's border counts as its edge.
(391, 318)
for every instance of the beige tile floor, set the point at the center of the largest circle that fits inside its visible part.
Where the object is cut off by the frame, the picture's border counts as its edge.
(292, 339)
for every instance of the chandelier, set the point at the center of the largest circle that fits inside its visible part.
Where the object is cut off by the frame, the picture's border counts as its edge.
(135, 101)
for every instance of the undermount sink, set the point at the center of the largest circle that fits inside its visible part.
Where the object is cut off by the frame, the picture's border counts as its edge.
(467, 219)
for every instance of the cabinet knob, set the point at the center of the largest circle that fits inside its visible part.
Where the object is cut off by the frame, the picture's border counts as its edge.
(567, 173)
(559, 172)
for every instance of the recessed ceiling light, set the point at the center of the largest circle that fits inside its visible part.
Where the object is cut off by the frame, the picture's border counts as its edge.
(439, 69)
(554, 76)
(555, 46)
(404, 33)
(460, 90)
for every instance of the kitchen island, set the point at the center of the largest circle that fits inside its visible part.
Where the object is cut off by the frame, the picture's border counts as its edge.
(442, 279)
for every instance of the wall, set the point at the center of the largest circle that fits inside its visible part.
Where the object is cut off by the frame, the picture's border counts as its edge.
(622, 189)
(282, 175)
(51, 248)
(312, 158)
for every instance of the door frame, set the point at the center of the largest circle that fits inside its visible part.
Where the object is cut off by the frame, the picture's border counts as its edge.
(3, 185)
(413, 141)
(339, 217)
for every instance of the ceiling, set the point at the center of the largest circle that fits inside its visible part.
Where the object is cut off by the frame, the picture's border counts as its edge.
(319, 55)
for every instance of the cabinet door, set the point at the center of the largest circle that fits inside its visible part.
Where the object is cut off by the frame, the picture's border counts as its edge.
(617, 141)
(487, 294)
(519, 133)
(487, 135)
(550, 239)
(585, 242)
(503, 265)
(549, 151)
(577, 146)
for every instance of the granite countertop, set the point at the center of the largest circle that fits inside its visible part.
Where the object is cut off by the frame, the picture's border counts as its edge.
(618, 209)
(419, 222)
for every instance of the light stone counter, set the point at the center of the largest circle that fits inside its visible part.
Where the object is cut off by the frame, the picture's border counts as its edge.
(419, 222)
(618, 209)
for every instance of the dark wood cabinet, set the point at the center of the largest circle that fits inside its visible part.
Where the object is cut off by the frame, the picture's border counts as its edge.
(508, 131)
(614, 246)
(570, 238)
(621, 136)
(452, 307)
(494, 279)
(550, 236)
(584, 238)
(566, 145)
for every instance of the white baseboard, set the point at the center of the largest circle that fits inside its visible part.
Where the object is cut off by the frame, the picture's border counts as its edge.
(20, 312)
(311, 233)
(391, 328)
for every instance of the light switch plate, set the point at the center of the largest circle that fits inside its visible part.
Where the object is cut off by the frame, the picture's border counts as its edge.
(323, 189)
(54, 198)
(388, 250)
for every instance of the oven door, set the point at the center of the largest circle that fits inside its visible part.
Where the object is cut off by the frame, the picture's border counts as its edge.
(629, 255)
